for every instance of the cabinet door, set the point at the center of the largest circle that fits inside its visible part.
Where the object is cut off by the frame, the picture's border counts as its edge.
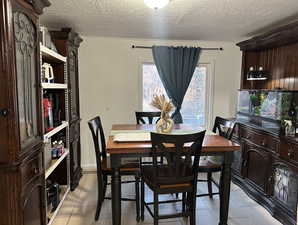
(238, 161)
(27, 78)
(285, 185)
(34, 206)
(6, 117)
(257, 166)
(74, 86)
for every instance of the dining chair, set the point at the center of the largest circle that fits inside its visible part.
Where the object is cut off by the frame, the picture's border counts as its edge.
(104, 170)
(225, 129)
(141, 118)
(178, 175)
(150, 116)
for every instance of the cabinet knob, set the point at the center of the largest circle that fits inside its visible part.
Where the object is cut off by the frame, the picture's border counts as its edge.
(4, 112)
(263, 142)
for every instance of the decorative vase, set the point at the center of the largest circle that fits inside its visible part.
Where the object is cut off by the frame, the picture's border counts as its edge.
(165, 123)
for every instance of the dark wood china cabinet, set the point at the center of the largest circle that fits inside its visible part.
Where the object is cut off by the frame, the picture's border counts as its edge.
(22, 185)
(266, 168)
(68, 42)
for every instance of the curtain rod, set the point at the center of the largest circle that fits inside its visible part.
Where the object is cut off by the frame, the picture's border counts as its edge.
(148, 47)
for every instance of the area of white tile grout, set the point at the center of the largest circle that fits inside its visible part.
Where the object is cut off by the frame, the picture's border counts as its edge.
(79, 208)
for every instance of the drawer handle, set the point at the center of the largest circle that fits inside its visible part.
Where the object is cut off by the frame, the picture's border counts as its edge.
(35, 170)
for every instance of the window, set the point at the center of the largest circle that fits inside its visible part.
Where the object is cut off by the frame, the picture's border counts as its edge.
(194, 108)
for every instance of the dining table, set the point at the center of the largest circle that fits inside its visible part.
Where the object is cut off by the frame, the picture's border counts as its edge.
(213, 144)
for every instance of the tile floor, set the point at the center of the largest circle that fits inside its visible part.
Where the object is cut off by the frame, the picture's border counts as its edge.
(79, 208)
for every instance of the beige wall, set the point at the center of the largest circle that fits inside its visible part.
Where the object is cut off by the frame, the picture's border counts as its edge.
(110, 81)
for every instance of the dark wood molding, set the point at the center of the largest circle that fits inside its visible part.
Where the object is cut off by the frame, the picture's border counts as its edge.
(67, 33)
(280, 36)
(39, 5)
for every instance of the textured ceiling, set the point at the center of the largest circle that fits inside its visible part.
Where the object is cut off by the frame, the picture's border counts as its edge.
(228, 20)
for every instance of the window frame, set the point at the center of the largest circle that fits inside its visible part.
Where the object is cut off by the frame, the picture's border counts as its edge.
(209, 87)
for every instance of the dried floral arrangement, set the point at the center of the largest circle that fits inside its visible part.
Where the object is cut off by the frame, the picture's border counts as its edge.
(165, 124)
(160, 102)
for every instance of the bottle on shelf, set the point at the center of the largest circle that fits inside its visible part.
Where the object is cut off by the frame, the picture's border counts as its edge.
(55, 150)
(48, 113)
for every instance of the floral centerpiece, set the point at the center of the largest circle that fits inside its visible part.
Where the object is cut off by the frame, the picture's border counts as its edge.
(165, 124)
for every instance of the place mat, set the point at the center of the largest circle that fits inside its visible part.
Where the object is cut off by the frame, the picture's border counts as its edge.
(132, 137)
(178, 131)
(144, 135)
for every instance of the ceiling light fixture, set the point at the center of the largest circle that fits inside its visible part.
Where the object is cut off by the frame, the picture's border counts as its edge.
(156, 4)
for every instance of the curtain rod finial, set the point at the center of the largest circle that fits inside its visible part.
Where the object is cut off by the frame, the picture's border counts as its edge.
(221, 49)
(133, 46)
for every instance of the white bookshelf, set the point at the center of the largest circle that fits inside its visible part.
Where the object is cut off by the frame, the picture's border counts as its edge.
(53, 86)
(51, 56)
(58, 62)
(55, 130)
(55, 162)
(52, 215)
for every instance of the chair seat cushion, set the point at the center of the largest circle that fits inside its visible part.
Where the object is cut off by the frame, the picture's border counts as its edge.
(165, 176)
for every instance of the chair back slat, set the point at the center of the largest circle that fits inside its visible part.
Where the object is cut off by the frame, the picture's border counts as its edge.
(223, 127)
(180, 165)
(141, 116)
(97, 132)
(96, 129)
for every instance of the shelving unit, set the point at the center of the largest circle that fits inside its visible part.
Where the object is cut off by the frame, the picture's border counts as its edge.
(58, 170)
(55, 130)
(55, 163)
(51, 56)
(51, 215)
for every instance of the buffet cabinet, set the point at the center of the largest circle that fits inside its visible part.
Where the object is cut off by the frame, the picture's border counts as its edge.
(68, 42)
(266, 168)
(22, 184)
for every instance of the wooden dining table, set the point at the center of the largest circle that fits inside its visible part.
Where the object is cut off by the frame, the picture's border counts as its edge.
(213, 145)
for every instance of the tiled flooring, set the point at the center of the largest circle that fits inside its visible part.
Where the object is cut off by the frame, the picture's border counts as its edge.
(79, 208)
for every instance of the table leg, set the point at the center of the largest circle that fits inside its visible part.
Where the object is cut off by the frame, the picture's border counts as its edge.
(116, 196)
(225, 185)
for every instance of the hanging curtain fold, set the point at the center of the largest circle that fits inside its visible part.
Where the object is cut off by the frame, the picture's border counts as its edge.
(176, 66)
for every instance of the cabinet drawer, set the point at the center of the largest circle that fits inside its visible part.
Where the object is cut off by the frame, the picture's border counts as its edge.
(31, 169)
(263, 140)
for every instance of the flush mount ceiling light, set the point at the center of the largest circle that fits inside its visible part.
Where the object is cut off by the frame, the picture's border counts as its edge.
(156, 4)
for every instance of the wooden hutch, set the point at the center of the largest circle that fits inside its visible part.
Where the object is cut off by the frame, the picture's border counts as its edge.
(267, 166)
(26, 165)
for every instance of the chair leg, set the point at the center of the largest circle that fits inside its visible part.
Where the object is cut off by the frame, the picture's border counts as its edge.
(142, 200)
(209, 181)
(183, 202)
(155, 209)
(100, 199)
(192, 209)
(98, 208)
(137, 198)
(105, 181)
